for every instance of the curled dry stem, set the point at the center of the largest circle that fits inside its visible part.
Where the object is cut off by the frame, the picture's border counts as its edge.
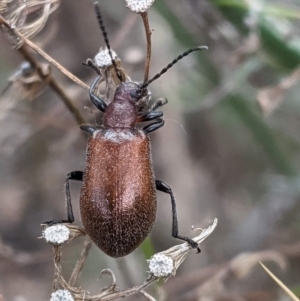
(148, 39)
(177, 254)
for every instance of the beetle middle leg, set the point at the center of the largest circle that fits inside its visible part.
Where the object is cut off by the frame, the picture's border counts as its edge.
(154, 126)
(73, 175)
(161, 186)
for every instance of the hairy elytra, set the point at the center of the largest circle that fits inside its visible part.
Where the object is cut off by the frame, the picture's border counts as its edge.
(118, 193)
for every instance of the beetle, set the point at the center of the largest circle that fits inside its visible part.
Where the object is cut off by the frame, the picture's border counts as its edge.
(118, 194)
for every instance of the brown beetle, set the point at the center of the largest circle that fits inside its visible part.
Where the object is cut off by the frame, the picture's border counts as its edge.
(118, 193)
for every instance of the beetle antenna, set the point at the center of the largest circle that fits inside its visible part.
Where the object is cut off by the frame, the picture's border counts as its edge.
(104, 32)
(146, 84)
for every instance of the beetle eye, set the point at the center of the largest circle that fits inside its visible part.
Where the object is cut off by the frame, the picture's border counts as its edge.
(135, 93)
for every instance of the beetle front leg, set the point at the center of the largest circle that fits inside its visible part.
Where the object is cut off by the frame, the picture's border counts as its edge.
(161, 186)
(98, 102)
(76, 176)
(159, 103)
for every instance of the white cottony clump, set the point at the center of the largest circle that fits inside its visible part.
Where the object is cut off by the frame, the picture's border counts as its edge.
(61, 295)
(56, 234)
(139, 6)
(102, 58)
(161, 265)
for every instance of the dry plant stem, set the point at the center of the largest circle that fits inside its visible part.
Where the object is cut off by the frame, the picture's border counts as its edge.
(108, 294)
(177, 254)
(44, 55)
(147, 296)
(57, 266)
(54, 86)
(52, 83)
(80, 262)
(53, 62)
(148, 38)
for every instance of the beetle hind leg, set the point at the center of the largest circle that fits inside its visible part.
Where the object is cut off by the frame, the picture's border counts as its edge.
(161, 186)
(74, 175)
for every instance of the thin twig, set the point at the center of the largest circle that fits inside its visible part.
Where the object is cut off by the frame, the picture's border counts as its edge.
(54, 85)
(51, 81)
(44, 54)
(57, 267)
(148, 38)
(80, 262)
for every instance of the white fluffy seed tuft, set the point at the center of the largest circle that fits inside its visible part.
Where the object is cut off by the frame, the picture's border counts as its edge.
(139, 6)
(61, 295)
(56, 234)
(161, 265)
(102, 58)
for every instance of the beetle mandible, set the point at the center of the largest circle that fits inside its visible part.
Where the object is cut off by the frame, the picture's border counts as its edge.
(118, 193)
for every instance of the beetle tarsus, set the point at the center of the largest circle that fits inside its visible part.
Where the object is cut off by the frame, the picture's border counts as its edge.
(55, 221)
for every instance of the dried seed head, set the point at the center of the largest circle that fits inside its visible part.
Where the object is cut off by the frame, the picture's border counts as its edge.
(176, 254)
(61, 295)
(3, 5)
(103, 60)
(29, 17)
(56, 234)
(139, 6)
(161, 265)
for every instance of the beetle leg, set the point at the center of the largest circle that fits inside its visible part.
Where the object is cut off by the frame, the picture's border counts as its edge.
(161, 186)
(154, 126)
(88, 128)
(150, 116)
(159, 103)
(98, 102)
(77, 176)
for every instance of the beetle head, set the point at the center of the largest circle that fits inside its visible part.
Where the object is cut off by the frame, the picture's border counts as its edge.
(132, 92)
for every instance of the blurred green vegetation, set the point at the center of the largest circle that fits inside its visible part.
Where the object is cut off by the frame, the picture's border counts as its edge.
(279, 54)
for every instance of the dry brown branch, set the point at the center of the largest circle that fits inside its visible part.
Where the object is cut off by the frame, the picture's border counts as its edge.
(57, 266)
(51, 81)
(54, 86)
(148, 39)
(47, 57)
